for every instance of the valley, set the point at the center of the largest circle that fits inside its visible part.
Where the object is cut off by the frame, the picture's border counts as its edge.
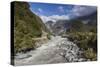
(62, 41)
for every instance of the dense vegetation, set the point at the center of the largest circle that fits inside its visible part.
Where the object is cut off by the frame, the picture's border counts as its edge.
(85, 37)
(26, 26)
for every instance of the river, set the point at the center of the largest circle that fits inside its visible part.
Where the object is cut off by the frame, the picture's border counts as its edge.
(56, 50)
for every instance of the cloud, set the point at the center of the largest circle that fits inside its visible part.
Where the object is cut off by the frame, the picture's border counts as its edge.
(59, 17)
(83, 10)
(54, 18)
(40, 10)
(46, 18)
(76, 11)
(36, 12)
(61, 9)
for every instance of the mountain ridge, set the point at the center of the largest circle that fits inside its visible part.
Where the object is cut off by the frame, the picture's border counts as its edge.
(27, 25)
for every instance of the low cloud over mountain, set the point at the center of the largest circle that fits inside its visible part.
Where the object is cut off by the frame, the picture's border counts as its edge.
(54, 18)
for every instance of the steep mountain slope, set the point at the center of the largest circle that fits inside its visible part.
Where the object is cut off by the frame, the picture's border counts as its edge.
(63, 26)
(49, 25)
(91, 19)
(76, 25)
(26, 26)
(60, 26)
(84, 23)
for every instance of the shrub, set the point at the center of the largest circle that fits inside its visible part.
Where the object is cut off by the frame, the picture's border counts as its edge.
(90, 54)
(86, 41)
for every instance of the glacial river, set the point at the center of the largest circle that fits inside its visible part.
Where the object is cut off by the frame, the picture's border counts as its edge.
(56, 50)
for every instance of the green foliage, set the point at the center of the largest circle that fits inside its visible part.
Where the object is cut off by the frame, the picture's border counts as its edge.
(79, 26)
(94, 29)
(86, 41)
(85, 36)
(90, 54)
(26, 26)
(76, 25)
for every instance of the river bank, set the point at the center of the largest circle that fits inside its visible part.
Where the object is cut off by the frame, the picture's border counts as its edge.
(57, 50)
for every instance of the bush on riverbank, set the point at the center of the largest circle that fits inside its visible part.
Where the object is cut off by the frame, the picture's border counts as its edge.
(90, 54)
(86, 41)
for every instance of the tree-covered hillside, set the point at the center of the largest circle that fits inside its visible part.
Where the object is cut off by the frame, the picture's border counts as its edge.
(26, 26)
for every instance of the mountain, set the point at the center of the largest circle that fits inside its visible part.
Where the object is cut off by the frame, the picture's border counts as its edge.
(27, 25)
(63, 26)
(49, 25)
(91, 19)
(84, 23)
(90, 16)
(58, 27)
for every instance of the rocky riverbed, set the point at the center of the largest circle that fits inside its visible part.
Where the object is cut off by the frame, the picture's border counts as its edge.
(56, 50)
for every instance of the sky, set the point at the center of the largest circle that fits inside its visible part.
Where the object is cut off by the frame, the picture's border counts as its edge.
(54, 12)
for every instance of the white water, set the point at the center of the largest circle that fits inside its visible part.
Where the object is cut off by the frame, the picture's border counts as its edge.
(57, 50)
